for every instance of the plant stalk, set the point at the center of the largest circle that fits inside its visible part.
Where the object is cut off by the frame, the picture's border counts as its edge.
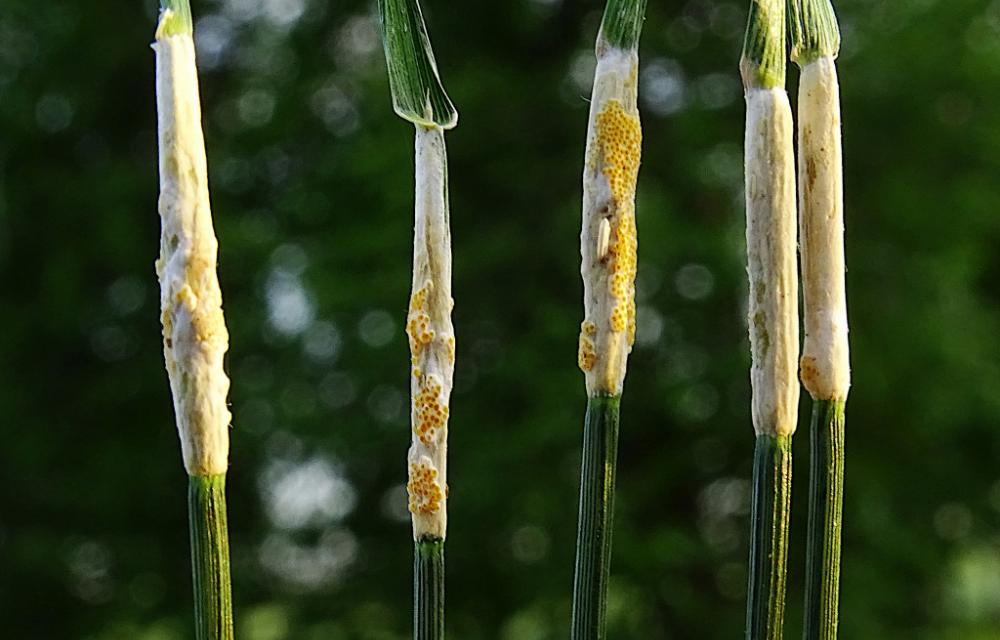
(597, 498)
(428, 589)
(213, 600)
(770, 507)
(826, 499)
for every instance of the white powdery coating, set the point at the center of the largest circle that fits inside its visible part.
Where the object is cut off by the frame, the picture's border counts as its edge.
(432, 343)
(771, 263)
(615, 80)
(195, 339)
(825, 366)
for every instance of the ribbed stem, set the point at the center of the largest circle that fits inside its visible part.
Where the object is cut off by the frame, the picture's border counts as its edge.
(597, 499)
(826, 499)
(213, 600)
(428, 589)
(622, 23)
(813, 30)
(763, 61)
(770, 505)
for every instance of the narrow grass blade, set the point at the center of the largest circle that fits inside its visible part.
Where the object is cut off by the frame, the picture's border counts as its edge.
(213, 601)
(597, 500)
(770, 507)
(417, 92)
(826, 499)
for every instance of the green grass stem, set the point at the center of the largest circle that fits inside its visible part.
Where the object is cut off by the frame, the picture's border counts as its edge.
(826, 498)
(428, 589)
(213, 600)
(597, 500)
(770, 505)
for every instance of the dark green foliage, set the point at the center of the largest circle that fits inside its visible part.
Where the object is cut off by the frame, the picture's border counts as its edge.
(93, 525)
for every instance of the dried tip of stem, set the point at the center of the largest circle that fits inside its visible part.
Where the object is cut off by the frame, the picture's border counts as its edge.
(175, 18)
(417, 93)
(763, 63)
(812, 26)
(622, 24)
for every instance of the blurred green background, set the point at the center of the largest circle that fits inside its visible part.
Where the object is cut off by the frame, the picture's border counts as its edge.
(311, 178)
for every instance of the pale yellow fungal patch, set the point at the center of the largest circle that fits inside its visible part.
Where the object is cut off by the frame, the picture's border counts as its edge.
(825, 365)
(424, 489)
(430, 410)
(619, 136)
(195, 338)
(771, 262)
(587, 354)
(609, 244)
(431, 339)
(418, 321)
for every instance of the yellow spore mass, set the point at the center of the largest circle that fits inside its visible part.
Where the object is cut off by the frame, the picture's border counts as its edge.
(418, 322)
(424, 489)
(619, 137)
(430, 412)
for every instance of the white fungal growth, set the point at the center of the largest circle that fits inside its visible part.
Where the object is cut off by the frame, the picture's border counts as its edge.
(432, 338)
(825, 365)
(608, 241)
(195, 339)
(771, 263)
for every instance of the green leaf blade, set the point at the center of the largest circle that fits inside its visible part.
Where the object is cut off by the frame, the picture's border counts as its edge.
(417, 92)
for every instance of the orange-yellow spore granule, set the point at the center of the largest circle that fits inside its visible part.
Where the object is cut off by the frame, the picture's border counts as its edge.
(430, 414)
(619, 137)
(418, 322)
(587, 355)
(424, 490)
(619, 317)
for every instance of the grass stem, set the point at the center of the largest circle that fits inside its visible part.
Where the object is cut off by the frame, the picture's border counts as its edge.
(213, 600)
(428, 589)
(597, 498)
(770, 506)
(826, 498)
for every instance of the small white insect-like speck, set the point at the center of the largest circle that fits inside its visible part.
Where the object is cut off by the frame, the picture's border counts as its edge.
(603, 239)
